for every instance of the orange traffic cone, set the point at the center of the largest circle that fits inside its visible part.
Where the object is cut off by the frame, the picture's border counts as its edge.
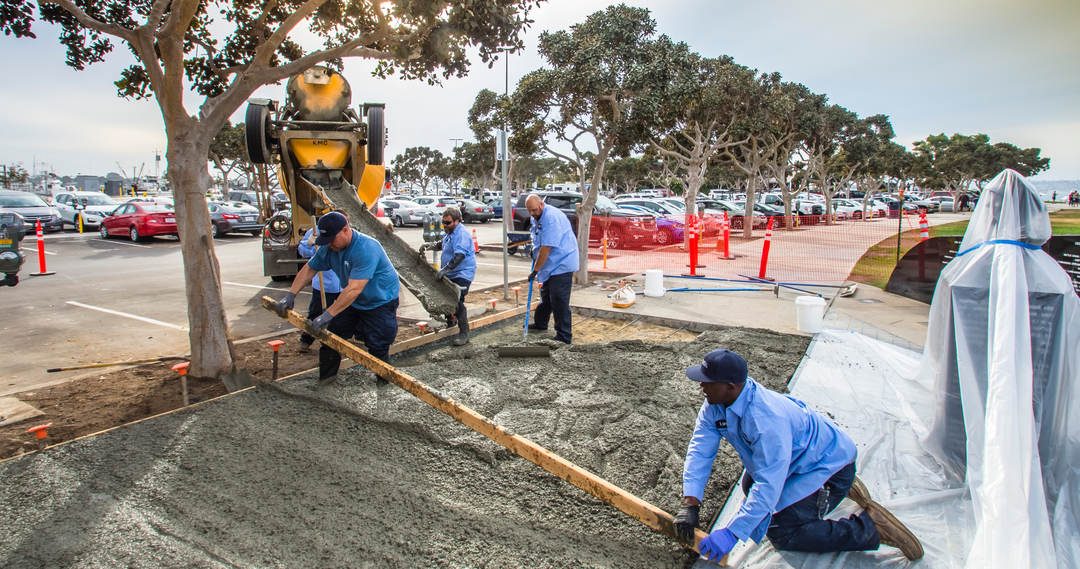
(476, 244)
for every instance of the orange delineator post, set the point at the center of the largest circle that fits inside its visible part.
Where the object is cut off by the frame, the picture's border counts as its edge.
(40, 254)
(476, 244)
(765, 250)
(726, 224)
(691, 226)
(924, 227)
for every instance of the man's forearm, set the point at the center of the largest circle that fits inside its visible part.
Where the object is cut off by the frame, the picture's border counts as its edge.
(347, 296)
(541, 257)
(302, 279)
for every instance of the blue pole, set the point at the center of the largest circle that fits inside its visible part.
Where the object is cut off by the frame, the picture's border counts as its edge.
(528, 306)
(714, 289)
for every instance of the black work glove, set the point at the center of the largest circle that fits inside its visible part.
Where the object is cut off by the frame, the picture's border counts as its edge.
(532, 276)
(285, 305)
(442, 272)
(686, 521)
(321, 322)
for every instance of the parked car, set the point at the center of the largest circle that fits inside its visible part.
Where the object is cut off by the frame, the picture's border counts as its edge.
(669, 229)
(249, 197)
(406, 212)
(929, 206)
(496, 207)
(234, 218)
(138, 220)
(945, 203)
(736, 214)
(89, 207)
(766, 211)
(472, 210)
(624, 228)
(32, 209)
(804, 206)
(436, 203)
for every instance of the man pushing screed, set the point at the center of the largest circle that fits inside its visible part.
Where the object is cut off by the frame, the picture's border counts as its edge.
(555, 248)
(799, 467)
(367, 305)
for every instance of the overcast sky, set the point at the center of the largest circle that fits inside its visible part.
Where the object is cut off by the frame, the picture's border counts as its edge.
(1005, 68)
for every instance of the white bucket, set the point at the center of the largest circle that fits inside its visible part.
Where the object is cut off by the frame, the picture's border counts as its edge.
(810, 313)
(654, 283)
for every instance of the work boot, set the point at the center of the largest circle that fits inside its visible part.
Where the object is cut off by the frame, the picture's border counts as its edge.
(892, 532)
(462, 317)
(304, 348)
(461, 339)
(859, 494)
(328, 381)
(535, 328)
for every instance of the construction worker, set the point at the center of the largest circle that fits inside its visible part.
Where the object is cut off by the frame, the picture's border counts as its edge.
(458, 264)
(799, 467)
(555, 261)
(330, 287)
(367, 305)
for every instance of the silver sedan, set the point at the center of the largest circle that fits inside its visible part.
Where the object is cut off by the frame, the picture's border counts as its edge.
(406, 212)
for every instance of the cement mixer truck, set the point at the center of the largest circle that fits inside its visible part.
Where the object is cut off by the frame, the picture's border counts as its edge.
(329, 156)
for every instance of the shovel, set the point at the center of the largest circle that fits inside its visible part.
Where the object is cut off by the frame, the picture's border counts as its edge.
(236, 379)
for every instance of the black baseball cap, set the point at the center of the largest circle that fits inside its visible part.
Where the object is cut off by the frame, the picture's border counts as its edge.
(329, 226)
(719, 366)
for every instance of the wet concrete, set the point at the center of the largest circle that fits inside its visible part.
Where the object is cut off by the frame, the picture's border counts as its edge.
(356, 475)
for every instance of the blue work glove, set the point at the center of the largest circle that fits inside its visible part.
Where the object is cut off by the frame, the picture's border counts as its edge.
(717, 545)
(284, 305)
(442, 272)
(321, 322)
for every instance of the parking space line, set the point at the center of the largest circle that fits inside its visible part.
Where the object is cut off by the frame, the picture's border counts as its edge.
(265, 287)
(126, 315)
(34, 249)
(122, 243)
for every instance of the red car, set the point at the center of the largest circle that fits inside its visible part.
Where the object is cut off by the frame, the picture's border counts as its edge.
(138, 220)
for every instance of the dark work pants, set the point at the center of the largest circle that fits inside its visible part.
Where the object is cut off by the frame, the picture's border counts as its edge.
(314, 310)
(462, 314)
(377, 327)
(555, 300)
(801, 527)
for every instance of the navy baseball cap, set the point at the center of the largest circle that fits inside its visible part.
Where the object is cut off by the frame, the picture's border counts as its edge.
(329, 226)
(719, 366)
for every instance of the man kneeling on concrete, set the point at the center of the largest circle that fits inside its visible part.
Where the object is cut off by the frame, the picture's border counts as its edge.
(458, 264)
(367, 305)
(799, 467)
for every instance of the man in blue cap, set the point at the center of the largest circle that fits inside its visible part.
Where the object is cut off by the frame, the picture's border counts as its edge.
(367, 304)
(799, 467)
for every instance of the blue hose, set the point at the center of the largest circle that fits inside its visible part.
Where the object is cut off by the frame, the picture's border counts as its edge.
(528, 306)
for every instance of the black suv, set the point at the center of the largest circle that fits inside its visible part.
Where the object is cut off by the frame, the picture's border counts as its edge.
(625, 228)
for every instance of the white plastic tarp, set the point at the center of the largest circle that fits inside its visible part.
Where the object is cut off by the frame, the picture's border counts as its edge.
(870, 390)
(1003, 350)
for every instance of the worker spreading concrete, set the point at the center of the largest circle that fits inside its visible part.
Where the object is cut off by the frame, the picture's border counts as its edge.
(458, 264)
(799, 467)
(366, 306)
(555, 262)
(325, 287)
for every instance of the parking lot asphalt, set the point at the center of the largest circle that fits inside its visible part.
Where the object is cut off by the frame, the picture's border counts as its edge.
(116, 300)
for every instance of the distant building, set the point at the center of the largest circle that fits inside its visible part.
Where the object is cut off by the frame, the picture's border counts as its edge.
(88, 183)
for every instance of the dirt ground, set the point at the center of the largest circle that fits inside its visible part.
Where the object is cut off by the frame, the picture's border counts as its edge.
(360, 475)
(116, 397)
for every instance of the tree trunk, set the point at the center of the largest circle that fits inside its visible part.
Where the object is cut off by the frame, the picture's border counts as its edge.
(748, 210)
(585, 212)
(209, 327)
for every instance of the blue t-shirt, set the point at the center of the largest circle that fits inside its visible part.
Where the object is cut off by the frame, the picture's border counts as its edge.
(553, 230)
(330, 280)
(459, 241)
(363, 259)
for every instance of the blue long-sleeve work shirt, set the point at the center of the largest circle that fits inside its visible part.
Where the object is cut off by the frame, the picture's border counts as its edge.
(553, 230)
(330, 280)
(459, 241)
(789, 449)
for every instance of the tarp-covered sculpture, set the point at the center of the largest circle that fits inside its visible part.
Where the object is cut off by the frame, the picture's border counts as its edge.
(1003, 349)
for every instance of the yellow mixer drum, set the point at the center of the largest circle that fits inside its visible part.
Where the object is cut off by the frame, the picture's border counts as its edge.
(308, 152)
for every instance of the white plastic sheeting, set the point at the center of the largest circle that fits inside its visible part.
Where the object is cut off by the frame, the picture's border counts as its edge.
(1003, 349)
(871, 390)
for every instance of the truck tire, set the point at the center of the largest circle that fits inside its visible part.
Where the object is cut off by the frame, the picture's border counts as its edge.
(256, 127)
(376, 136)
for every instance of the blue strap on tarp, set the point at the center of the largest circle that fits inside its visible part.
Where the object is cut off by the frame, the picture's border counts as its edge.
(1000, 242)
